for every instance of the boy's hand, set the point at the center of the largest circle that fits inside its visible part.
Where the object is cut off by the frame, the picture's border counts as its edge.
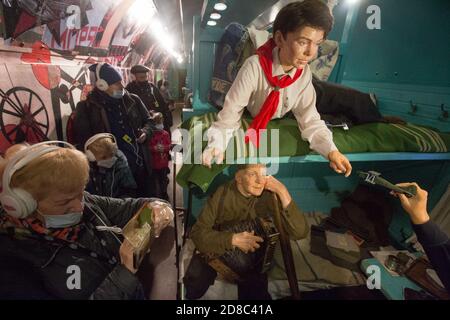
(210, 154)
(416, 206)
(339, 163)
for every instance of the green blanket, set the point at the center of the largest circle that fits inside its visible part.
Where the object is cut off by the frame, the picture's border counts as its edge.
(373, 137)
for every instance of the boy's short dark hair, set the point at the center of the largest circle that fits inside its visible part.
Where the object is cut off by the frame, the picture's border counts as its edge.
(309, 13)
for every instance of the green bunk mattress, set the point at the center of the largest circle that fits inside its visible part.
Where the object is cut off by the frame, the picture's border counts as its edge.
(374, 141)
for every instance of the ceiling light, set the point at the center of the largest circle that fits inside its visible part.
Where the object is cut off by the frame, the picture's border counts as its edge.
(211, 23)
(141, 12)
(166, 41)
(220, 6)
(215, 16)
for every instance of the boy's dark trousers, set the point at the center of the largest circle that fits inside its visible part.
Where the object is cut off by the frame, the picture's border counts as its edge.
(335, 99)
(199, 276)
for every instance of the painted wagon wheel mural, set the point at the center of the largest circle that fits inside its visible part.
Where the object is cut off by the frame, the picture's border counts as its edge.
(23, 116)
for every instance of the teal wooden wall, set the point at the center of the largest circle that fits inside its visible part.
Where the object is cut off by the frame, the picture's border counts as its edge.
(406, 62)
(202, 57)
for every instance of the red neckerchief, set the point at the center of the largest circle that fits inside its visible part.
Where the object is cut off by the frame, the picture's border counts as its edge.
(269, 107)
(35, 225)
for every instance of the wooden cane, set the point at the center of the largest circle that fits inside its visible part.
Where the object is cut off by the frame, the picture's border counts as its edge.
(286, 250)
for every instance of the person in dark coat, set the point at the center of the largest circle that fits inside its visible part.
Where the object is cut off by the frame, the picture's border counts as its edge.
(58, 241)
(110, 108)
(149, 94)
(434, 241)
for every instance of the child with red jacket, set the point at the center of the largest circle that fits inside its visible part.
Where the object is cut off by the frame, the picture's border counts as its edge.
(159, 145)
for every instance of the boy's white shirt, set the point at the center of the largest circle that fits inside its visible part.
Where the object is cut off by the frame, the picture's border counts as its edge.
(251, 88)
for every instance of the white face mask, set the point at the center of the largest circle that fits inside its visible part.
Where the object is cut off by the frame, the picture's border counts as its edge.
(107, 163)
(159, 126)
(62, 220)
(118, 94)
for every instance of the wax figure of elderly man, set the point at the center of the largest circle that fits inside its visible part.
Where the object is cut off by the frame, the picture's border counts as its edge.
(247, 196)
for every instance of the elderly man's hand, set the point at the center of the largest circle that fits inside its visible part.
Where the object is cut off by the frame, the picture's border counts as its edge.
(340, 163)
(246, 241)
(415, 206)
(274, 185)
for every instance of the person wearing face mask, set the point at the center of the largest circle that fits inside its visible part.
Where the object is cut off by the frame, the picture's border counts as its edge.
(109, 173)
(149, 94)
(159, 145)
(56, 230)
(112, 109)
(247, 196)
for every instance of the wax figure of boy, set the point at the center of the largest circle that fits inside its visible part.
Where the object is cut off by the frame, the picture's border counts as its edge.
(277, 80)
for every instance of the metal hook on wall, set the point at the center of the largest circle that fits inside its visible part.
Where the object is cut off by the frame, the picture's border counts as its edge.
(444, 113)
(413, 106)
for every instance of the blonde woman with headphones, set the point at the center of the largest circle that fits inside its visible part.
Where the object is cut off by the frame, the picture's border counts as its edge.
(67, 239)
(109, 174)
